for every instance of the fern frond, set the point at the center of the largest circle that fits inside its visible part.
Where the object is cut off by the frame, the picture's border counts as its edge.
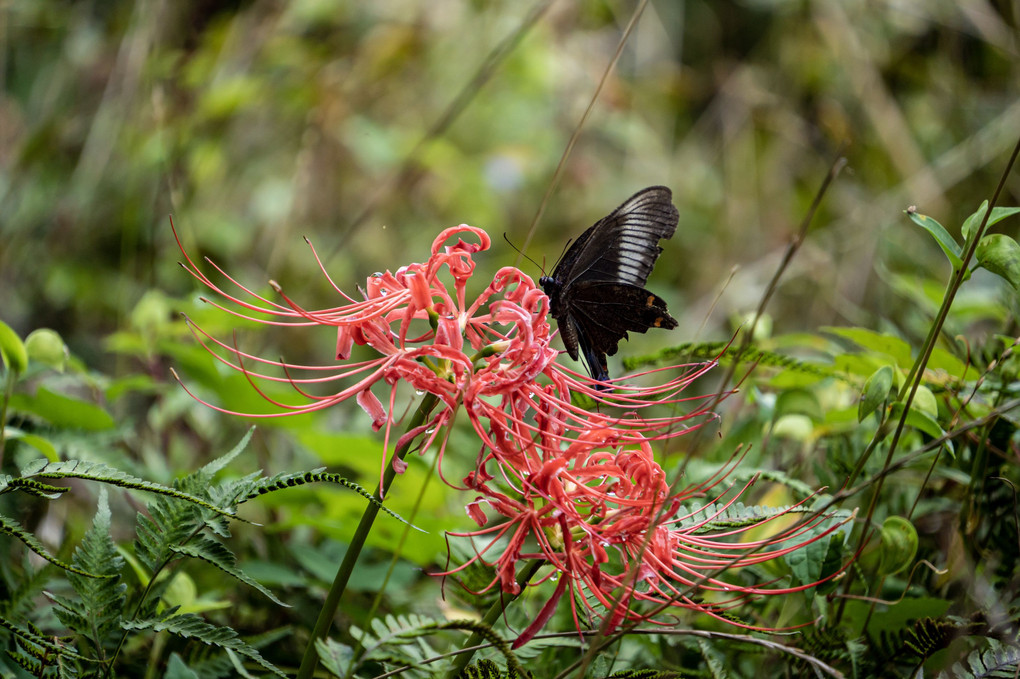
(395, 640)
(35, 639)
(645, 674)
(726, 353)
(96, 471)
(215, 466)
(209, 662)
(30, 487)
(334, 656)
(190, 626)
(999, 662)
(715, 516)
(26, 662)
(800, 488)
(931, 635)
(513, 665)
(102, 600)
(487, 669)
(483, 669)
(70, 612)
(20, 592)
(172, 523)
(714, 660)
(281, 481)
(9, 526)
(218, 555)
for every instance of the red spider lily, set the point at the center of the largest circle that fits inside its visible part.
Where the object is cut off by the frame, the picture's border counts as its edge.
(491, 355)
(603, 517)
(580, 490)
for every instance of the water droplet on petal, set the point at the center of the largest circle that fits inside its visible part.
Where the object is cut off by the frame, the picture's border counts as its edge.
(419, 392)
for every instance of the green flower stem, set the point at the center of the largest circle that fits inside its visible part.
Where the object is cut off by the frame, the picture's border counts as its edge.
(492, 615)
(343, 574)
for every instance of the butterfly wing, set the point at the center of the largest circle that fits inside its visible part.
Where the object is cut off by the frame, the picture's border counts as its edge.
(603, 313)
(597, 291)
(623, 246)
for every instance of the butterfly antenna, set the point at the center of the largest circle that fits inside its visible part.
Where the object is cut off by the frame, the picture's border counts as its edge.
(566, 246)
(508, 242)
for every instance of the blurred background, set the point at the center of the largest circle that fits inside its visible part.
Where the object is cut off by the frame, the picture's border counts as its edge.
(371, 126)
(257, 123)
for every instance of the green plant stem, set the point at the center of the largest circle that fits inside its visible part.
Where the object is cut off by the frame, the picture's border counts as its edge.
(359, 647)
(311, 657)
(491, 616)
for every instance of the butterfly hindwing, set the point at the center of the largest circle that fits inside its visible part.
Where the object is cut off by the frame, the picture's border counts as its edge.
(597, 292)
(606, 312)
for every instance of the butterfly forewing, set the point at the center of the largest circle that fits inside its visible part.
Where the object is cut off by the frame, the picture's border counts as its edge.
(623, 246)
(597, 292)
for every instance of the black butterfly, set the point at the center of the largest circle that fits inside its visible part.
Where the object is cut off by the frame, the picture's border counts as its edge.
(596, 292)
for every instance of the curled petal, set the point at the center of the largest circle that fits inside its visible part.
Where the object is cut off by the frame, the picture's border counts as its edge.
(373, 406)
(344, 342)
(475, 511)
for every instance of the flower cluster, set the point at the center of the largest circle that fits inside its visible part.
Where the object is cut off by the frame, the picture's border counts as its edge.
(600, 513)
(489, 356)
(578, 490)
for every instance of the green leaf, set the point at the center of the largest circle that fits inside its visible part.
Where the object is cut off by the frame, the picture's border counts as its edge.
(889, 345)
(47, 347)
(63, 411)
(814, 560)
(876, 391)
(799, 402)
(973, 220)
(716, 661)
(794, 428)
(12, 350)
(925, 402)
(899, 545)
(998, 214)
(177, 669)
(895, 617)
(946, 242)
(1000, 254)
(41, 444)
(919, 420)
(334, 656)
